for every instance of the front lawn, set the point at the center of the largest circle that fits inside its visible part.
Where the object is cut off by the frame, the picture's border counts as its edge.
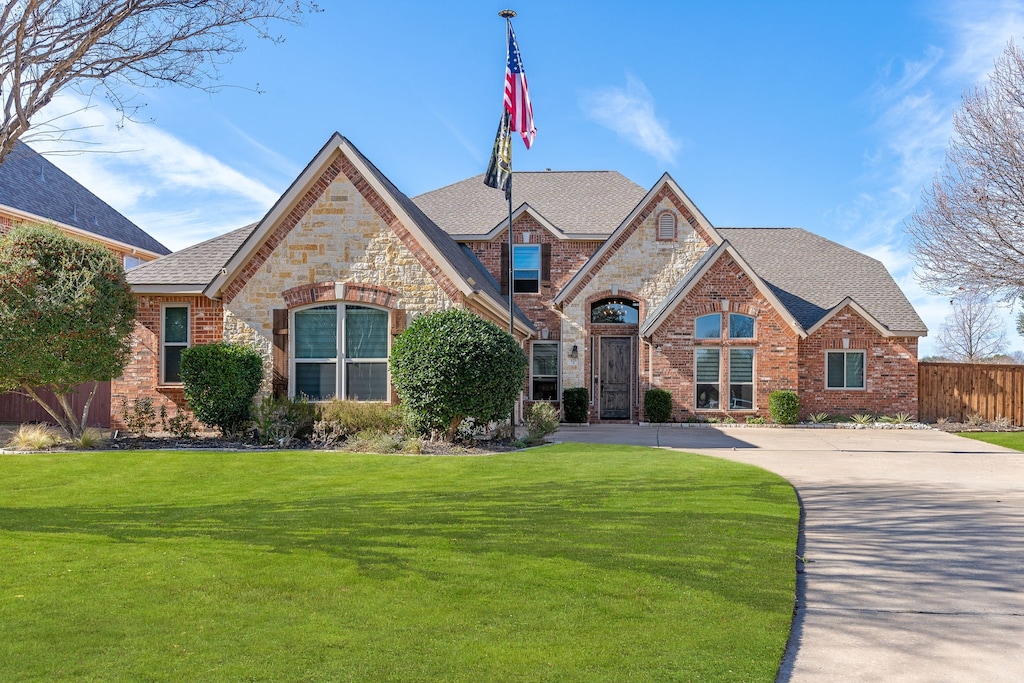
(564, 563)
(1014, 440)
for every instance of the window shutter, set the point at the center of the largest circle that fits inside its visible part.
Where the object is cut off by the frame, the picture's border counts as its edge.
(279, 382)
(666, 226)
(398, 325)
(504, 268)
(545, 263)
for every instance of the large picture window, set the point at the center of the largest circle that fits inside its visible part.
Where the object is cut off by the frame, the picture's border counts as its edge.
(544, 371)
(708, 362)
(174, 339)
(844, 369)
(341, 351)
(526, 269)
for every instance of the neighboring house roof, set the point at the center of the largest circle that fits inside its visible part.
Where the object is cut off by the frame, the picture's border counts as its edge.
(32, 185)
(811, 275)
(189, 270)
(579, 204)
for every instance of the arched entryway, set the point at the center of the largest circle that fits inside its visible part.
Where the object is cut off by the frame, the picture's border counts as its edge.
(613, 325)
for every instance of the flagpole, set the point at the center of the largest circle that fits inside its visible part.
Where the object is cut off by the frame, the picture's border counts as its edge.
(507, 15)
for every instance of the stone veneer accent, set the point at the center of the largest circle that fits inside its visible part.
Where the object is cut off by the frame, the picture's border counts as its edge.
(639, 266)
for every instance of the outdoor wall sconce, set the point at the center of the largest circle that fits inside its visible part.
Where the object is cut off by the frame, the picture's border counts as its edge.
(575, 352)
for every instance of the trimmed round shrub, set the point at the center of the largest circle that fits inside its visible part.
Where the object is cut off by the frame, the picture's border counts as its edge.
(575, 404)
(220, 381)
(452, 365)
(784, 407)
(658, 405)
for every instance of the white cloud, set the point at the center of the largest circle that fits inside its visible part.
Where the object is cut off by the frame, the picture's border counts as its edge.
(629, 112)
(914, 103)
(169, 188)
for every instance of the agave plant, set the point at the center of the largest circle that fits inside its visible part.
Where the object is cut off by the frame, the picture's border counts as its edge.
(863, 418)
(818, 418)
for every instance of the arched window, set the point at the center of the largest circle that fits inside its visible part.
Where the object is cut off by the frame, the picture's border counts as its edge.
(340, 350)
(615, 312)
(741, 326)
(708, 326)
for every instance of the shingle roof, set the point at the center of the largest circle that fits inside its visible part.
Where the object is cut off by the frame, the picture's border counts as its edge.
(810, 275)
(195, 265)
(30, 183)
(575, 202)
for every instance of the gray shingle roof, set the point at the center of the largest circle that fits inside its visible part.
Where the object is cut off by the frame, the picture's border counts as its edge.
(810, 275)
(575, 202)
(196, 265)
(30, 183)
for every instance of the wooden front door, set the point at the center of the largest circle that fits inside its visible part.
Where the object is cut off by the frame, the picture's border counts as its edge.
(616, 366)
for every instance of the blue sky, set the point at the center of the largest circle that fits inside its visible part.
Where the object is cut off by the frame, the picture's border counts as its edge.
(826, 116)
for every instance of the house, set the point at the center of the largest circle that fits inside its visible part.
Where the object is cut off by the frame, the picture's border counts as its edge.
(616, 288)
(33, 190)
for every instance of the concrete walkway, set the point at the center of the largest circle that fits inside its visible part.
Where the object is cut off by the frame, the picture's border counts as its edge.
(914, 541)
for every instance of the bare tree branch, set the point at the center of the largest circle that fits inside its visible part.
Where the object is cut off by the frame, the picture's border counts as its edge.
(47, 46)
(973, 332)
(969, 229)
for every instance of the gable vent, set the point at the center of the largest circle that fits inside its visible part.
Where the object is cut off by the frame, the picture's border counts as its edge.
(667, 226)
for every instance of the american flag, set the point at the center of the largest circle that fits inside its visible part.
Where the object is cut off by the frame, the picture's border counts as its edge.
(517, 96)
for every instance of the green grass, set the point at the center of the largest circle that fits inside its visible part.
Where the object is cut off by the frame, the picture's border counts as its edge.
(564, 563)
(1014, 440)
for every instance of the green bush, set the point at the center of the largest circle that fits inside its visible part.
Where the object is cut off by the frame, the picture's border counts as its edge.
(281, 420)
(541, 420)
(784, 407)
(658, 405)
(220, 381)
(575, 404)
(139, 416)
(452, 365)
(347, 418)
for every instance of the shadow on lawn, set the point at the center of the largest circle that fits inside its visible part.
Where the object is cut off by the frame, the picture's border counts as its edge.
(658, 529)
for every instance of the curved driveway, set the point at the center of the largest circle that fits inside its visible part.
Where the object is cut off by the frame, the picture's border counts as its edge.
(913, 541)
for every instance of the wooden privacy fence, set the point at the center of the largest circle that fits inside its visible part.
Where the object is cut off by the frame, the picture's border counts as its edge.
(21, 409)
(959, 390)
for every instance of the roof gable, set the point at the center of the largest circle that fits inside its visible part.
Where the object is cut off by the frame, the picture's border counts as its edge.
(697, 273)
(812, 275)
(454, 271)
(32, 185)
(665, 188)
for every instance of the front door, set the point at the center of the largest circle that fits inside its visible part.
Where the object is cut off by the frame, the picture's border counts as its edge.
(615, 374)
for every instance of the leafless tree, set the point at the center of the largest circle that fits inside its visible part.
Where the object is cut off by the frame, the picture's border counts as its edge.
(974, 331)
(969, 228)
(118, 46)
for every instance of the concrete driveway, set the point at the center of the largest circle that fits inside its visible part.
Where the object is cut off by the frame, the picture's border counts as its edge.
(913, 541)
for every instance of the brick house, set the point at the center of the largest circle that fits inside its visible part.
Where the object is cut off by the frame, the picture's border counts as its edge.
(617, 289)
(33, 190)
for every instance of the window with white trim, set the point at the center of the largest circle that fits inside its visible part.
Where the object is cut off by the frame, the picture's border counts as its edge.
(707, 365)
(741, 379)
(174, 338)
(131, 261)
(544, 371)
(708, 326)
(340, 350)
(844, 369)
(526, 268)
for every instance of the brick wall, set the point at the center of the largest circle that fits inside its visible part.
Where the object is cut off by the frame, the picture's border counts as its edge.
(669, 363)
(890, 370)
(141, 377)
